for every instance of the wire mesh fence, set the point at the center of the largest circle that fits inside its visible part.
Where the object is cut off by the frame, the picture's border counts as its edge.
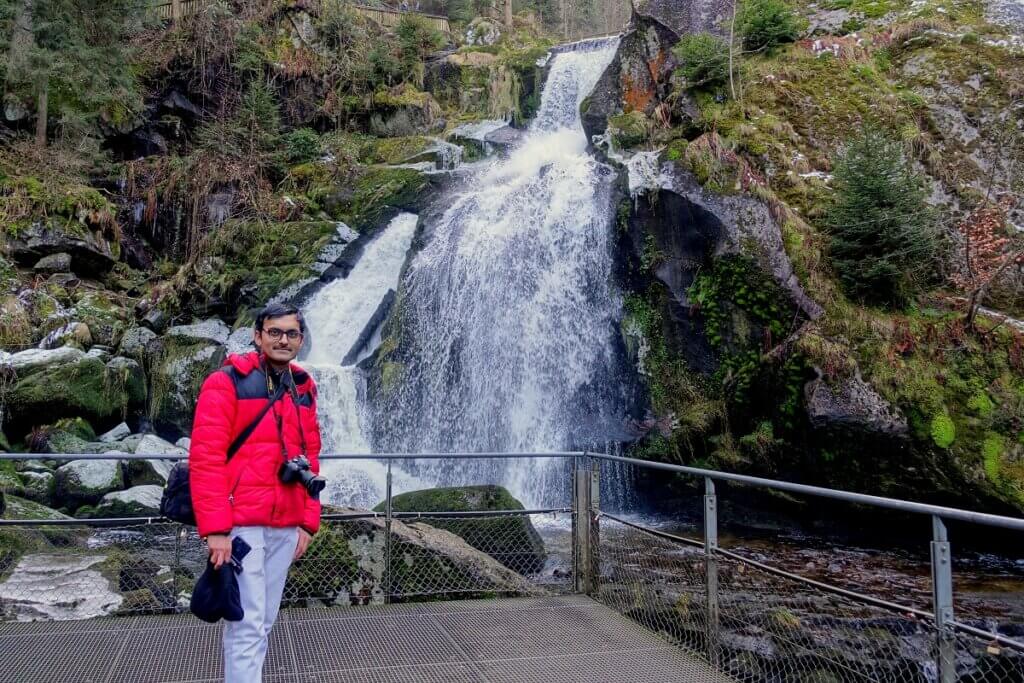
(754, 616)
(89, 568)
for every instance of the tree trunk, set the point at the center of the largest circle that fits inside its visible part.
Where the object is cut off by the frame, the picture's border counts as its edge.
(42, 111)
(732, 49)
(508, 14)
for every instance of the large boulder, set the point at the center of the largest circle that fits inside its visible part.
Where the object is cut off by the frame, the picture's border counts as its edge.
(65, 382)
(511, 540)
(182, 360)
(851, 404)
(345, 565)
(213, 331)
(405, 111)
(90, 253)
(38, 486)
(140, 472)
(85, 482)
(136, 341)
(137, 501)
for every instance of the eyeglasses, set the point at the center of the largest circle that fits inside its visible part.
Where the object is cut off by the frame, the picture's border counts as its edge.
(276, 334)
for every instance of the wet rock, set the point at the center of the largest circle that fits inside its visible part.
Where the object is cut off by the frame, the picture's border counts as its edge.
(118, 433)
(180, 364)
(73, 334)
(54, 263)
(85, 482)
(152, 471)
(64, 280)
(177, 103)
(136, 341)
(155, 320)
(137, 501)
(39, 586)
(90, 254)
(852, 404)
(212, 330)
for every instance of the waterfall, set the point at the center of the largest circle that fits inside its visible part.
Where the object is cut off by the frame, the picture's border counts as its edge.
(509, 316)
(337, 318)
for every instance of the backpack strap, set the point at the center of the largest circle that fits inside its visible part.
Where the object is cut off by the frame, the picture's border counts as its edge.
(251, 427)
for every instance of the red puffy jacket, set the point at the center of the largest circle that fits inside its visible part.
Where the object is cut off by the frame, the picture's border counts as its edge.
(246, 490)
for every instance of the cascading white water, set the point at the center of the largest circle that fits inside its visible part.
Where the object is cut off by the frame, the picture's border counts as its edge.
(336, 316)
(508, 315)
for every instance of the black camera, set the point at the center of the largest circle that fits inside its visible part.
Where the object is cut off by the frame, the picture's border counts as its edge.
(297, 470)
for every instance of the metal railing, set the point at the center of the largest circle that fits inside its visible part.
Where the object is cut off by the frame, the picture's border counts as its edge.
(744, 612)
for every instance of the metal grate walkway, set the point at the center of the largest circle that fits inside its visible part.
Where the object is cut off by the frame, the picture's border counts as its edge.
(522, 640)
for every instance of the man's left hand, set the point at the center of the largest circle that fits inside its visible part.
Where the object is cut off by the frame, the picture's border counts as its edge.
(304, 540)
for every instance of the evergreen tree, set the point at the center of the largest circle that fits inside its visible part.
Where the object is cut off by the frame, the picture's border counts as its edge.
(767, 23)
(73, 59)
(883, 233)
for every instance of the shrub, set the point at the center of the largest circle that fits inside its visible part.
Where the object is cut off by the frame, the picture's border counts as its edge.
(302, 145)
(884, 242)
(767, 23)
(703, 60)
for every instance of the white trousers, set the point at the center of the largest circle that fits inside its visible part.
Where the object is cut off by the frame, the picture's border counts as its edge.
(260, 586)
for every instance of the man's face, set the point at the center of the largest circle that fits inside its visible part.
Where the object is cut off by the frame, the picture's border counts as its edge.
(280, 339)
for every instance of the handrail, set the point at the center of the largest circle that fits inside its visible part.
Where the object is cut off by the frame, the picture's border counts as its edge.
(1015, 523)
(324, 456)
(329, 517)
(984, 518)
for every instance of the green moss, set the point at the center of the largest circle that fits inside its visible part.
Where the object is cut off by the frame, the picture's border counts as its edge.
(391, 375)
(258, 260)
(629, 130)
(379, 189)
(86, 387)
(943, 430)
(676, 150)
(992, 449)
(393, 150)
(981, 404)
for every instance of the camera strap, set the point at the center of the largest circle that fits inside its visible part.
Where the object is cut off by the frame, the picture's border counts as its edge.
(251, 427)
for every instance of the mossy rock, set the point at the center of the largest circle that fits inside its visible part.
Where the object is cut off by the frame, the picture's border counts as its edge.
(86, 387)
(85, 482)
(379, 191)
(179, 370)
(513, 541)
(629, 130)
(327, 570)
(393, 150)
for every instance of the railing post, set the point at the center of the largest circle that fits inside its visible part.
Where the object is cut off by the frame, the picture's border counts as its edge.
(386, 574)
(179, 531)
(595, 528)
(585, 493)
(942, 600)
(175, 10)
(711, 568)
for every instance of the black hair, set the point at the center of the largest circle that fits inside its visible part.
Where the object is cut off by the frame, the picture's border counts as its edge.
(279, 311)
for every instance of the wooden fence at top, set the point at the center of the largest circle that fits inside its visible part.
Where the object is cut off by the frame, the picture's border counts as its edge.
(173, 10)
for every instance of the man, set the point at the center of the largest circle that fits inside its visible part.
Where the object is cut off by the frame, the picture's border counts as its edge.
(246, 495)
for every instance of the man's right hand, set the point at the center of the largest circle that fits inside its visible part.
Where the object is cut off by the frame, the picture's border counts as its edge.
(220, 549)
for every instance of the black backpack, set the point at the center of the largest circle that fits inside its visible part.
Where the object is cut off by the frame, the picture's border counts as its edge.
(176, 502)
